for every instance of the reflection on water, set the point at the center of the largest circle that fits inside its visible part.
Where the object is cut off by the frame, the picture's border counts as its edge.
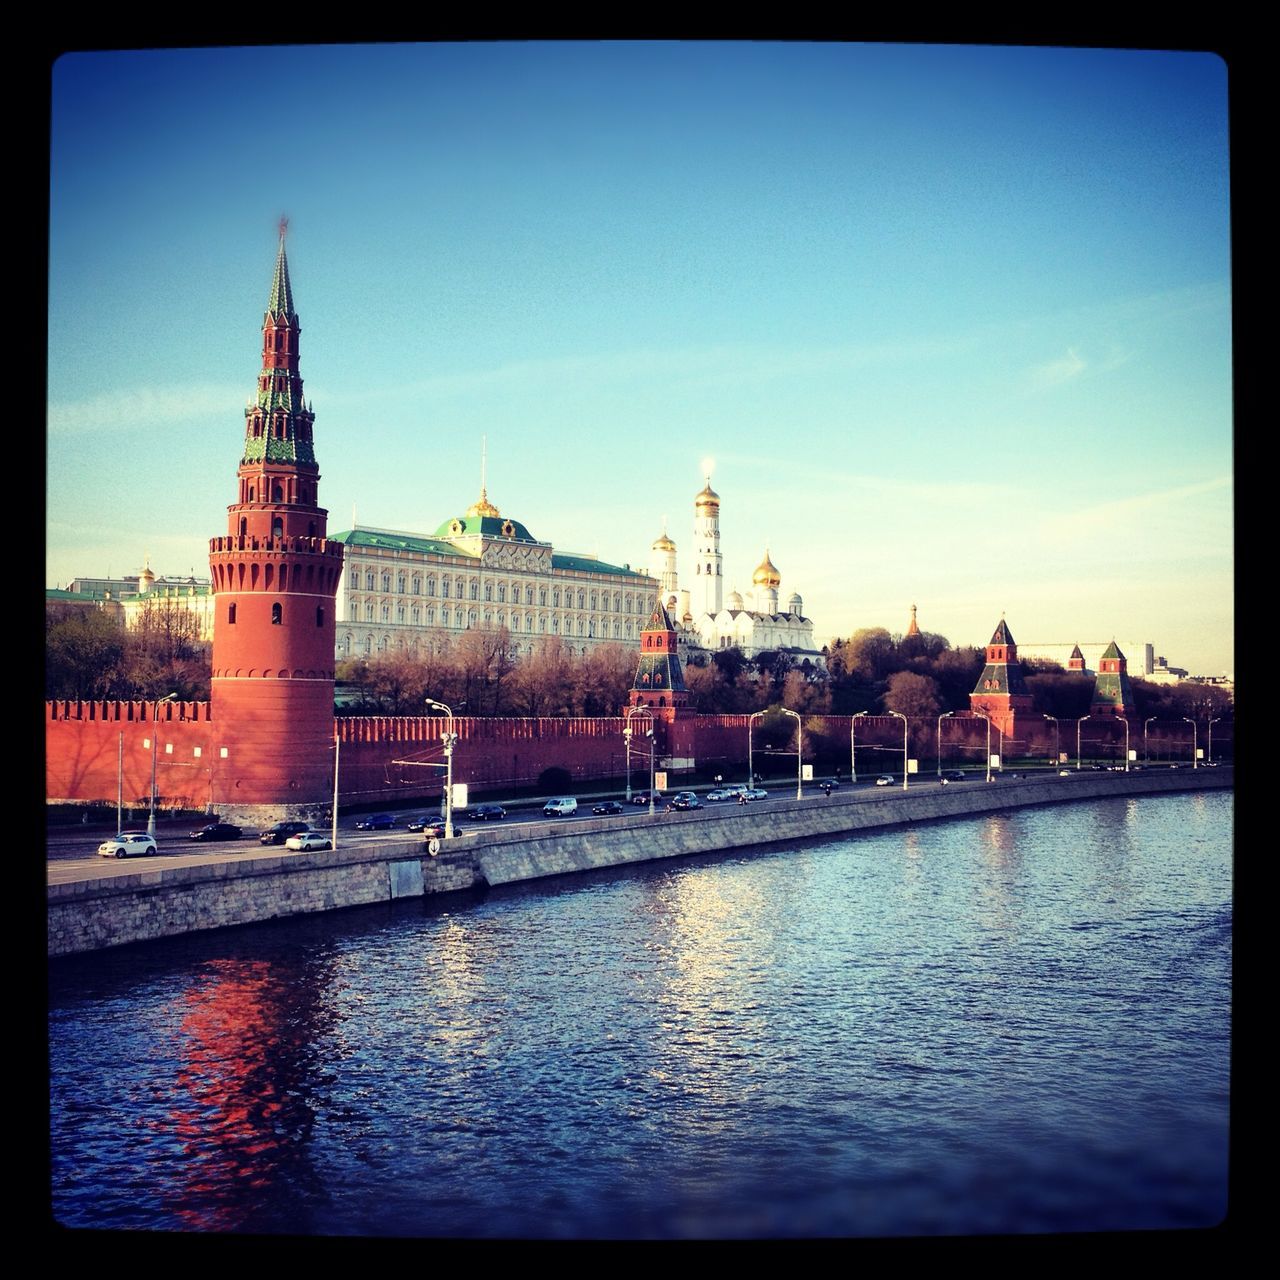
(1012, 1023)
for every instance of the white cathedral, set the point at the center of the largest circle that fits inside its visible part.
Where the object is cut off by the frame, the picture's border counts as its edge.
(705, 620)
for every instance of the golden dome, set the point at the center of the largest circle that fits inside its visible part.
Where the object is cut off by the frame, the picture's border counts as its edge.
(483, 507)
(663, 543)
(708, 498)
(766, 574)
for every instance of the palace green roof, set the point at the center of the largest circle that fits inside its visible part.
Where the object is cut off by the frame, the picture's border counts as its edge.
(401, 542)
(486, 527)
(587, 564)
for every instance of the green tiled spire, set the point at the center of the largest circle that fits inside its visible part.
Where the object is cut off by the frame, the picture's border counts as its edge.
(281, 301)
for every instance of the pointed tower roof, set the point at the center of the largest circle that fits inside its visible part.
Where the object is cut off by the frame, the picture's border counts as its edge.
(659, 680)
(914, 628)
(1075, 652)
(1111, 651)
(1002, 634)
(281, 301)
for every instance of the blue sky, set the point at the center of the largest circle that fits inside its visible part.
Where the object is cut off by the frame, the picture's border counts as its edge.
(954, 323)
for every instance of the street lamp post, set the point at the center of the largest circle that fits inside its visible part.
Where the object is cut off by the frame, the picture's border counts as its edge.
(1213, 720)
(1146, 755)
(1195, 760)
(941, 718)
(799, 748)
(1056, 743)
(1126, 743)
(904, 746)
(449, 741)
(155, 734)
(988, 720)
(1078, 724)
(853, 755)
(626, 736)
(751, 767)
(650, 735)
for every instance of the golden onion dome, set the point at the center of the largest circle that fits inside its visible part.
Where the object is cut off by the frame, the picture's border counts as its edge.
(663, 543)
(766, 574)
(483, 507)
(708, 498)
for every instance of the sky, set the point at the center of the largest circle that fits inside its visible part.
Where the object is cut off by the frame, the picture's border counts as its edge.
(952, 324)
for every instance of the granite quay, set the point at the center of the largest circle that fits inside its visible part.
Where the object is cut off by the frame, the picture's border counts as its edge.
(118, 904)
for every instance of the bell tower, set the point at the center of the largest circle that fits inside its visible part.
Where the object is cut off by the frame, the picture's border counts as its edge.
(275, 578)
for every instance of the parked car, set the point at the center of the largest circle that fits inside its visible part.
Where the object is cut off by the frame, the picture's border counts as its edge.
(685, 800)
(376, 822)
(560, 807)
(483, 812)
(608, 806)
(281, 832)
(127, 844)
(305, 840)
(885, 780)
(435, 830)
(642, 797)
(217, 831)
(416, 824)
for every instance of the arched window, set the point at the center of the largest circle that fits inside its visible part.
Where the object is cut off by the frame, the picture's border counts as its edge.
(416, 615)
(231, 614)
(386, 613)
(368, 611)
(417, 585)
(444, 588)
(582, 599)
(488, 590)
(277, 528)
(277, 614)
(368, 581)
(542, 596)
(475, 589)
(319, 615)
(386, 582)
(400, 583)
(244, 524)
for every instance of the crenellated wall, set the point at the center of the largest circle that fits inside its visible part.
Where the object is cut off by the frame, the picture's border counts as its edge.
(386, 759)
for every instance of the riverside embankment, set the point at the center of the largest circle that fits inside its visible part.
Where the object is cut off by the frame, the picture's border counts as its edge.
(106, 907)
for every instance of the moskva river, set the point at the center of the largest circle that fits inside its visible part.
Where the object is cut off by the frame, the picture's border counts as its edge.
(1017, 1023)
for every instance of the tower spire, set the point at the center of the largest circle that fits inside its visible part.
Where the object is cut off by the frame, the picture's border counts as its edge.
(281, 301)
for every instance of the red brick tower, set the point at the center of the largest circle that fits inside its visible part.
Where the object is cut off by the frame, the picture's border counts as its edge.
(1001, 693)
(275, 577)
(1076, 661)
(1112, 691)
(659, 683)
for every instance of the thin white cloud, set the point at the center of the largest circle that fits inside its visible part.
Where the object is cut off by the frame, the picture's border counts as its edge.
(1123, 514)
(143, 408)
(1056, 372)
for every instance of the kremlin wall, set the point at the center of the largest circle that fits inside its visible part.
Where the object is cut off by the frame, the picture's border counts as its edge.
(265, 746)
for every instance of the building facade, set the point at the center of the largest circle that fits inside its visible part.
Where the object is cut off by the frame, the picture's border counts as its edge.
(479, 570)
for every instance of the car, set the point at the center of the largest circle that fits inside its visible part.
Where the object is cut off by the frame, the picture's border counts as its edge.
(305, 840)
(956, 775)
(608, 806)
(885, 780)
(127, 844)
(483, 812)
(281, 832)
(416, 824)
(753, 793)
(685, 800)
(725, 793)
(217, 831)
(376, 822)
(642, 797)
(822, 784)
(560, 807)
(436, 830)
(1065, 773)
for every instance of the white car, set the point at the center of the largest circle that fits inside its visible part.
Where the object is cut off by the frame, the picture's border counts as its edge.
(560, 807)
(753, 793)
(725, 793)
(885, 780)
(127, 844)
(305, 840)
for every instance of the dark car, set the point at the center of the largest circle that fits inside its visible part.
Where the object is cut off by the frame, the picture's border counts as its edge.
(642, 797)
(608, 807)
(483, 812)
(282, 831)
(956, 775)
(376, 822)
(825, 784)
(686, 800)
(217, 831)
(435, 830)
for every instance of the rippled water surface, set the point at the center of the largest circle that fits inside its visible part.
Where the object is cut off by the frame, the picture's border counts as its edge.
(1011, 1023)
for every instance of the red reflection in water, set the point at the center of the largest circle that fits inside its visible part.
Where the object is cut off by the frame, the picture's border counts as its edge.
(249, 1075)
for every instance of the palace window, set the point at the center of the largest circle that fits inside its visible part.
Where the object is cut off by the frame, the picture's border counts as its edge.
(400, 584)
(277, 614)
(386, 582)
(369, 582)
(368, 611)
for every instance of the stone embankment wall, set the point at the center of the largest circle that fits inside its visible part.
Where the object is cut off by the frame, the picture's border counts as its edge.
(155, 902)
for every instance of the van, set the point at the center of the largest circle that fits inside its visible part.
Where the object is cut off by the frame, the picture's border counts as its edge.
(561, 807)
